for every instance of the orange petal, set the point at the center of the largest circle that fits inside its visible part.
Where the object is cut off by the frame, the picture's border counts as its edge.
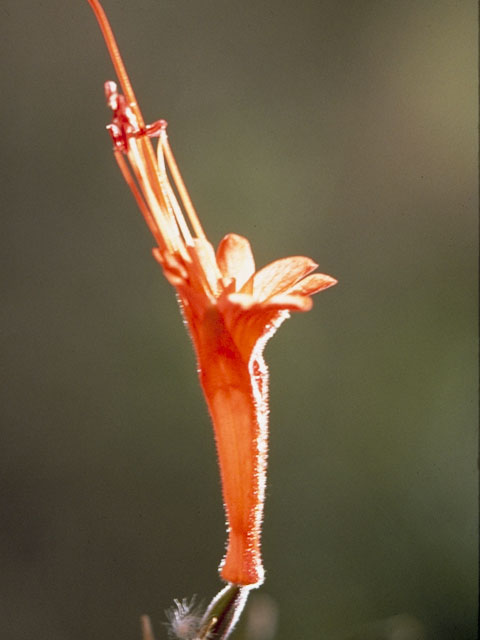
(289, 302)
(173, 267)
(285, 301)
(249, 321)
(242, 467)
(240, 422)
(280, 275)
(235, 259)
(312, 284)
(205, 271)
(251, 330)
(242, 300)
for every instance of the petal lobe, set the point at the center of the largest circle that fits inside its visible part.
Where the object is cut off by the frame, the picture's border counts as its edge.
(235, 259)
(280, 275)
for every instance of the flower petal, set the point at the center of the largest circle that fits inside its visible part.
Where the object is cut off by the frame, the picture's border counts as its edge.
(312, 284)
(249, 321)
(280, 275)
(289, 302)
(235, 259)
(244, 302)
(204, 273)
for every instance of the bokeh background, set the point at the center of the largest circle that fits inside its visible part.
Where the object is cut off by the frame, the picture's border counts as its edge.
(345, 131)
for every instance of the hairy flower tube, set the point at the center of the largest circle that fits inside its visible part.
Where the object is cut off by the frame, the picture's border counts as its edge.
(230, 309)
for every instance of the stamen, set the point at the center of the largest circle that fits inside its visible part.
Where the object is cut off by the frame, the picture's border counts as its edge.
(169, 232)
(162, 210)
(155, 197)
(111, 94)
(170, 196)
(155, 129)
(177, 212)
(122, 75)
(129, 179)
(117, 61)
(181, 188)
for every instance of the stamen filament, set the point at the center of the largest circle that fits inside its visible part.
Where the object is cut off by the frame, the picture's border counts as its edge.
(169, 194)
(129, 179)
(163, 203)
(181, 188)
(170, 237)
(156, 197)
(117, 60)
(122, 74)
(177, 212)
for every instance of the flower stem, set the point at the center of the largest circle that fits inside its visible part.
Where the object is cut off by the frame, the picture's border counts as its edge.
(223, 612)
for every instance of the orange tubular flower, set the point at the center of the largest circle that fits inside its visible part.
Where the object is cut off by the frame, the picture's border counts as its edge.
(230, 309)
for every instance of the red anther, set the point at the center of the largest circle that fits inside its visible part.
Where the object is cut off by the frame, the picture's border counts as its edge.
(124, 123)
(119, 137)
(155, 129)
(111, 94)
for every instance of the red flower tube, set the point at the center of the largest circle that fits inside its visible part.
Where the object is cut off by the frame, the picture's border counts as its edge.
(231, 310)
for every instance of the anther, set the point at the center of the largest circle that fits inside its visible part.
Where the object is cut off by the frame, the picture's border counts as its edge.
(111, 94)
(155, 129)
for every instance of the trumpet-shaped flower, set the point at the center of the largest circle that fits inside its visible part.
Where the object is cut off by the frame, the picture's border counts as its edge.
(230, 309)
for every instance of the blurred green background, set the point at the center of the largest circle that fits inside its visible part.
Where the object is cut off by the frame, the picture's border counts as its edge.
(345, 131)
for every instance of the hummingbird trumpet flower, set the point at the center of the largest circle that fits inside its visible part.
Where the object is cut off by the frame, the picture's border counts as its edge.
(230, 309)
